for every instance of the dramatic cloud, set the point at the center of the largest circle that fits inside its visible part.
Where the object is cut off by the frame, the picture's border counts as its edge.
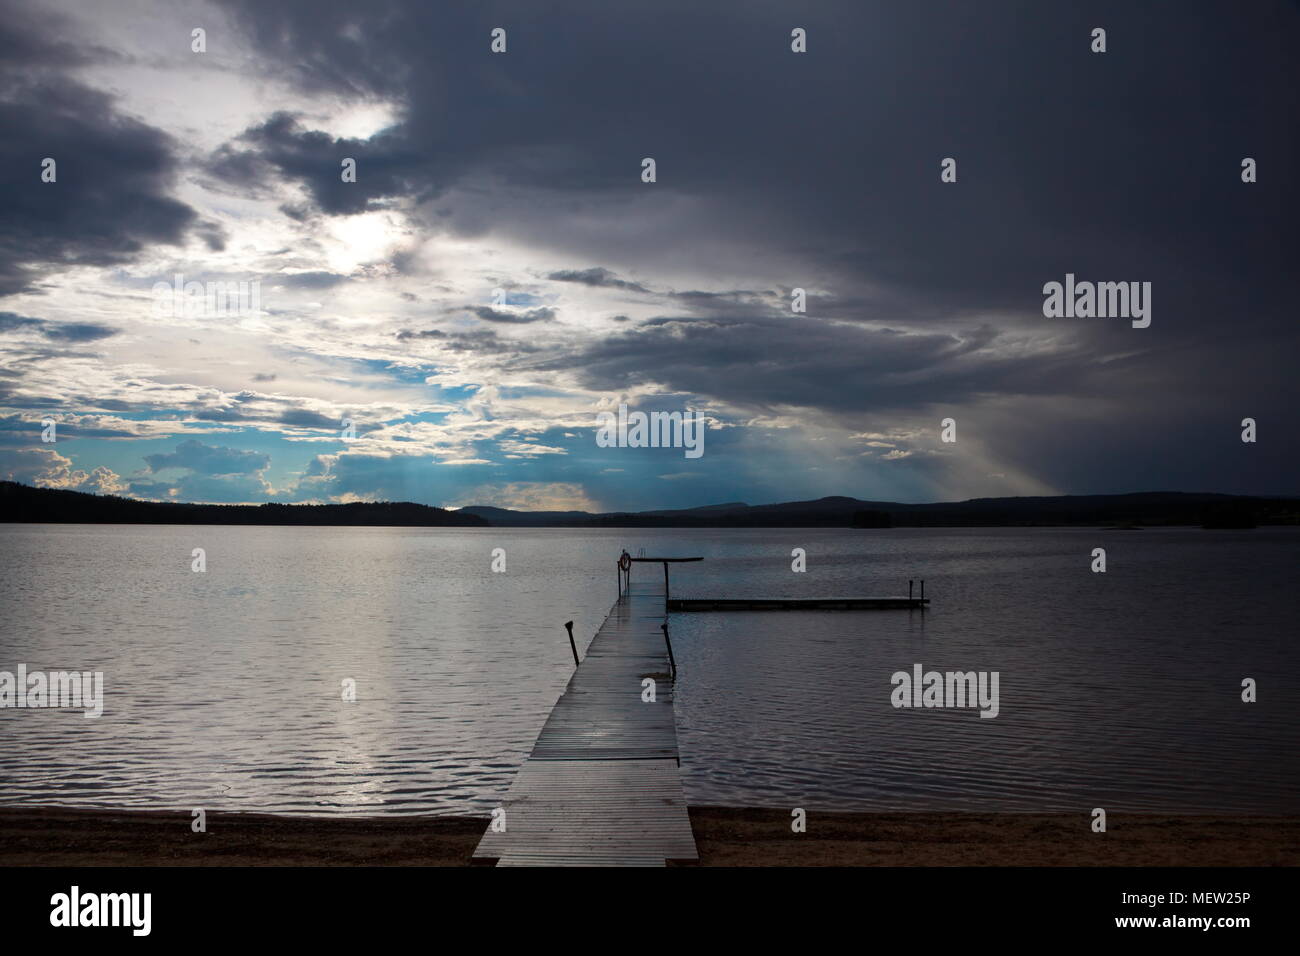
(596, 277)
(59, 332)
(48, 469)
(516, 318)
(780, 178)
(112, 174)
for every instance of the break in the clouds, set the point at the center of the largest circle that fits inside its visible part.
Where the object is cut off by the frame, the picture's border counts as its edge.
(446, 327)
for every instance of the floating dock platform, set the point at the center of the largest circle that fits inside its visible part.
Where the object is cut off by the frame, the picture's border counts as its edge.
(796, 604)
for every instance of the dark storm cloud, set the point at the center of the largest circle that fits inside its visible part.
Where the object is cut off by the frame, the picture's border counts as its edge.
(56, 331)
(767, 363)
(489, 314)
(305, 418)
(744, 304)
(824, 167)
(1116, 166)
(221, 415)
(596, 276)
(33, 39)
(403, 335)
(109, 200)
(480, 341)
(213, 235)
(1061, 152)
(257, 408)
(77, 331)
(1067, 160)
(386, 165)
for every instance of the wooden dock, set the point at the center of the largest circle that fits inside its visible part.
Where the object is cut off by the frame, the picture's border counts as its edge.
(796, 604)
(601, 786)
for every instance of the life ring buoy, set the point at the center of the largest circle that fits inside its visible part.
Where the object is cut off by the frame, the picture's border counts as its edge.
(624, 561)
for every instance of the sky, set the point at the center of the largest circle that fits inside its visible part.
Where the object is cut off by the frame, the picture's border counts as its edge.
(447, 327)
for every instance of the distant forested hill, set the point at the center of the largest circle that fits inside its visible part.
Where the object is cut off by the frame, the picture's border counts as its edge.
(24, 503)
(1146, 508)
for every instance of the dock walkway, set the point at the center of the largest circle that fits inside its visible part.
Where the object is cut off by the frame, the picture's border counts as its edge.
(601, 786)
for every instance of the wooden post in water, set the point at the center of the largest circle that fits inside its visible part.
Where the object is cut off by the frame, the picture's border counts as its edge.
(671, 661)
(922, 591)
(666, 592)
(909, 589)
(572, 646)
(624, 567)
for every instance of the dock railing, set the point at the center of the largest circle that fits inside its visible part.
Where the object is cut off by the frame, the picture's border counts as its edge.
(625, 562)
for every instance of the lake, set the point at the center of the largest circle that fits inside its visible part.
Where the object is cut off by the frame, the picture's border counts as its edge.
(223, 688)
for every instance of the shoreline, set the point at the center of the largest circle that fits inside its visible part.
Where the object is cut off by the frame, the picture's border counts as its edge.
(74, 837)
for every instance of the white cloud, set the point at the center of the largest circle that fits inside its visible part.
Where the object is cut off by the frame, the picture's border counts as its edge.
(46, 468)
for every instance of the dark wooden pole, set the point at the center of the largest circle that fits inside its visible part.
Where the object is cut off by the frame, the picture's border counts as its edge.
(922, 589)
(666, 588)
(572, 646)
(672, 662)
(909, 589)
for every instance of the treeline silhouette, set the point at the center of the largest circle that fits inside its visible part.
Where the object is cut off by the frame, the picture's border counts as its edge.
(23, 503)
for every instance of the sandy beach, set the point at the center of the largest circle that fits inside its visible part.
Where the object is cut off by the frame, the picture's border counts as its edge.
(726, 837)
(729, 837)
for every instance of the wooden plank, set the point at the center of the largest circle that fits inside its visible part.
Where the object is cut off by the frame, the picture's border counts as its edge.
(663, 560)
(593, 811)
(601, 786)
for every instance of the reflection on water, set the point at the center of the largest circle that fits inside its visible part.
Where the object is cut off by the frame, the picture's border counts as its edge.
(224, 689)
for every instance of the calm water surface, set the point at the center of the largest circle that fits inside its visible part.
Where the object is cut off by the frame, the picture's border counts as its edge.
(223, 689)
